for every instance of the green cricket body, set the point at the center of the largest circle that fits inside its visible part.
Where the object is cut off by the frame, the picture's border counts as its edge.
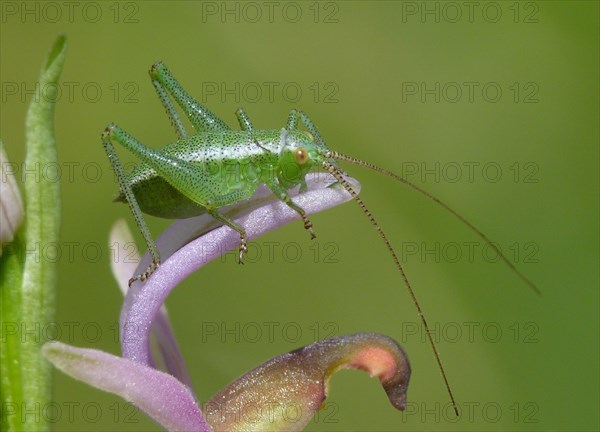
(214, 167)
(233, 164)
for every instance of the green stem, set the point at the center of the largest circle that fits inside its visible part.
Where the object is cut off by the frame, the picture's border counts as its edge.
(11, 278)
(28, 300)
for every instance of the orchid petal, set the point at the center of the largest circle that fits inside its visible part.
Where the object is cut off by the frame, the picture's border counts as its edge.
(11, 204)
(143, 301)
(124, 260)
(284, 393)
(158, 394)
(123, 267)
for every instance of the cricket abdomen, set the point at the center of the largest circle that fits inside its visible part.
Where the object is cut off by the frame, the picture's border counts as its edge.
(158, 198)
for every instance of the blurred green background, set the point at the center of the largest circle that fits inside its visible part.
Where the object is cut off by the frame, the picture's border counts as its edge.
(426, 89)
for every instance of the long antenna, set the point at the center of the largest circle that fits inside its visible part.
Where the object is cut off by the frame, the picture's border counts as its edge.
(339, 156)
(340, 178)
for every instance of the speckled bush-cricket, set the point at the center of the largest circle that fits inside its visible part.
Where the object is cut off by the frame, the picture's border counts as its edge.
(190, 176)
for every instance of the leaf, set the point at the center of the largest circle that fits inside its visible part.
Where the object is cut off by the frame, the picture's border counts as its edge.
(28, 280)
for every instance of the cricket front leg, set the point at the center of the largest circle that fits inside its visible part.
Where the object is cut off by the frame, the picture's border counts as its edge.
(281, 193)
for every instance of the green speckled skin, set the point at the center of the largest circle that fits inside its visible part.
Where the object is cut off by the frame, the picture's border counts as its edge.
(232, 164)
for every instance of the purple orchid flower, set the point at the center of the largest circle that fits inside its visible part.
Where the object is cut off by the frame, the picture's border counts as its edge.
(261, 399)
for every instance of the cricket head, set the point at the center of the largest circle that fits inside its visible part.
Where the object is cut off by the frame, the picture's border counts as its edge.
(300, 152)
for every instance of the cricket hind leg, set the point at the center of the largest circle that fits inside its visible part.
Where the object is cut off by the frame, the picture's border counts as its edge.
(201, 117)
(170, 108)
(184, 176)
(133, 205)
(243, 120)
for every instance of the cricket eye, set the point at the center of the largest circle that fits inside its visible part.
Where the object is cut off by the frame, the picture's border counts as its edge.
(301, 155)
